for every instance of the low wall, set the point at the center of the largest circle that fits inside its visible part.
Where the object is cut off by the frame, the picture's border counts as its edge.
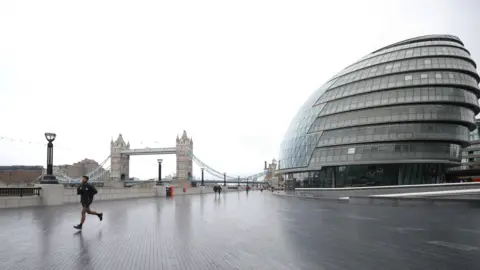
(57, 194)
(108, 193)
(367, 191)
(198, 190)
(15, 202)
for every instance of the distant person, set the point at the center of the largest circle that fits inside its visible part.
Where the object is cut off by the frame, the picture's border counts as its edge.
(86, 192)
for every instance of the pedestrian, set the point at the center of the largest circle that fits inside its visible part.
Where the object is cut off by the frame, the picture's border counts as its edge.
(86, 192)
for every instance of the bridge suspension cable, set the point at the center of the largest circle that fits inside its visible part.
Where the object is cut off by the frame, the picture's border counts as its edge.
(208, 168)
(218, 174)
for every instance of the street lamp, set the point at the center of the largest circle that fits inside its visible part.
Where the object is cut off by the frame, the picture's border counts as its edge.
(49, 178)
(159, 183)
(203, 183)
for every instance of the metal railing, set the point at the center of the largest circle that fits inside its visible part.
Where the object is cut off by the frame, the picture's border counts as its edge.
(20, 192)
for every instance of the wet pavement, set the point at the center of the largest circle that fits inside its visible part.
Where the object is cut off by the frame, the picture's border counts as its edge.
(236, 231)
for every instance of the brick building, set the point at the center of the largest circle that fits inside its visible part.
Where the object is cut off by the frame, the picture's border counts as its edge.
(19, 175)
(78, 169)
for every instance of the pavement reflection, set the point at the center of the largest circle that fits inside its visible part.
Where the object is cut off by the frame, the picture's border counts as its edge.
(236, 230)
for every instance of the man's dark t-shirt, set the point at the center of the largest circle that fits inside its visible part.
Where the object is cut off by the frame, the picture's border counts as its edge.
(86, 192)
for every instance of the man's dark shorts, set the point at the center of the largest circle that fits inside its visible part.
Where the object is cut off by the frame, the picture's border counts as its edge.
(86, 206)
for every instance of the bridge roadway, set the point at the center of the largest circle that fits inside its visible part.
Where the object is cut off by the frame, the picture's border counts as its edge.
(240, 231)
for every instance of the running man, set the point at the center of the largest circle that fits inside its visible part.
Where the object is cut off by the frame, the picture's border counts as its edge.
(86, 192)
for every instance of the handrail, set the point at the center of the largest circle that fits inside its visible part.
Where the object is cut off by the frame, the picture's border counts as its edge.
(19, 191)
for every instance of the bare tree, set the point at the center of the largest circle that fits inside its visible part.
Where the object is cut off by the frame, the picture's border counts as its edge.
(6, 178)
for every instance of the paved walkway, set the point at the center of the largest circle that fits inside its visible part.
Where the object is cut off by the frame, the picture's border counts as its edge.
(236, 231)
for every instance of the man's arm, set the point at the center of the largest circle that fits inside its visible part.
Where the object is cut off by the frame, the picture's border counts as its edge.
(94, 190)
(79, 191)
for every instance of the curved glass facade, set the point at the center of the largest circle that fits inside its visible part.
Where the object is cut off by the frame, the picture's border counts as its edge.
(401, 113)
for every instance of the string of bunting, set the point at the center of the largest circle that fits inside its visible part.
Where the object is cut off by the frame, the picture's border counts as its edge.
(43, 144)
(31, 142)
(4, 138)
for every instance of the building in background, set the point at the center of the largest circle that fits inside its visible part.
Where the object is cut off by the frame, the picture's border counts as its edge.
(400, 115)
(78, 169)
(471, 154)
(469, 171)
(19, 175)
(272, 176)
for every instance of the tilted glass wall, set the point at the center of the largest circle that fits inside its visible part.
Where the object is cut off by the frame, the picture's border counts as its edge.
(412, 101)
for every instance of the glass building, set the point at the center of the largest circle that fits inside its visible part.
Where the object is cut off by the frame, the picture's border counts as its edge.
(399, 116)
(471, 154)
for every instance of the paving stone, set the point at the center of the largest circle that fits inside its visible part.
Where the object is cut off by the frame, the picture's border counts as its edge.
(240, 231)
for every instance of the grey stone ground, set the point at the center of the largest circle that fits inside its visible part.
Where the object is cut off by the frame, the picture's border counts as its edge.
(236, 231)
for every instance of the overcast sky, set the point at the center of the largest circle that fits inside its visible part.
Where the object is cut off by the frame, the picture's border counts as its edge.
(231, 73)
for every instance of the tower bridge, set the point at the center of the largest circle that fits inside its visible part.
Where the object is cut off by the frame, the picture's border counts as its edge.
(120, 153)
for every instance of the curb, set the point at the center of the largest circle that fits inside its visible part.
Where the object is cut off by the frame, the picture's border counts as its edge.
(416, 202)
(339, 200)
(396, 201)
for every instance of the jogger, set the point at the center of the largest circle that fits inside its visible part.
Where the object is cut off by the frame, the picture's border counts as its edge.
(86, 192)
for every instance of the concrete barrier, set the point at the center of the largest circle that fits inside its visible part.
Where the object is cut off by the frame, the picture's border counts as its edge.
(111, 193)
(15, 202)
(200, 190)
(456, 202)
(382, 190)
(416, 202)
(58, 194)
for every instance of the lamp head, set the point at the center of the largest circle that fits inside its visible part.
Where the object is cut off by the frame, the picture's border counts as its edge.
(160, 160)
(50, 136)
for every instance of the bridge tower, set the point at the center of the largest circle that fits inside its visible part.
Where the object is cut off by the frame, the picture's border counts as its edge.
(184, 160)
(120, 164)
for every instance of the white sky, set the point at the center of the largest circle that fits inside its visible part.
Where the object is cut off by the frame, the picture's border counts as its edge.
(232, 74)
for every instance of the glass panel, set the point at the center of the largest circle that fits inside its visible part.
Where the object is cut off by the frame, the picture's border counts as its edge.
(399, 96)
(413, 64)
(392, 152)
(448, 78)
(412, 131)
(425, 49)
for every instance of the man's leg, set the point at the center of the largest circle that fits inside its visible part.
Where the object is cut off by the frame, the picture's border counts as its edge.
(84, 210)
(91, 212)
(82, 219)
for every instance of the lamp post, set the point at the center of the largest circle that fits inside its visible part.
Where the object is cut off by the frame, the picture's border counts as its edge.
(159, 183)
(224, 179)
(49, 178)
(203, 183)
